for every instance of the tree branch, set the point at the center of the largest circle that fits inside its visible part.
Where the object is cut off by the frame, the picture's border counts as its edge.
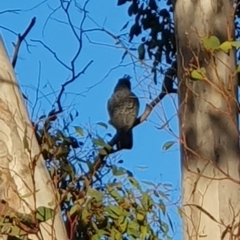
(20, 39)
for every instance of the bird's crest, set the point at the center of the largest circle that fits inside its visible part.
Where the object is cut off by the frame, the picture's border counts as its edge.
(126, 76)
(123, 83)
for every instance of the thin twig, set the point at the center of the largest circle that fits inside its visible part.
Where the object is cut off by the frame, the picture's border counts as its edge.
(53, 53)
(15, 11)
(67, 83)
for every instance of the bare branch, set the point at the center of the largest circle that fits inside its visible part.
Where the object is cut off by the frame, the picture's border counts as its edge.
(67, 83)
(79, 37)
(53, 53)
(49, 17)
(36, 6)
(20, 39)
(14, 11)
(8, 29)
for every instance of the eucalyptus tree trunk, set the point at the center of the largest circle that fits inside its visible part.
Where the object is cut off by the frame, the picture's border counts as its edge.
(25, 184)
(208, 121)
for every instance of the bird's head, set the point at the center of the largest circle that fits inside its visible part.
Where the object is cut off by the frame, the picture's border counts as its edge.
(123, 83)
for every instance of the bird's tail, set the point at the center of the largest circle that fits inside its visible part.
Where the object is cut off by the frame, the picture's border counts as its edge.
(123, 139)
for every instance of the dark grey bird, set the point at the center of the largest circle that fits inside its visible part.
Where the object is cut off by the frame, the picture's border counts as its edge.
(123, 107)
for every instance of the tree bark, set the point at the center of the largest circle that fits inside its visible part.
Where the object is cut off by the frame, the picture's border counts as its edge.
(25, 183)
(208, 121)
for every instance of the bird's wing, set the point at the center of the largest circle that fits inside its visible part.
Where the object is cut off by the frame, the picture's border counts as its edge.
(116, 101)
(123, 107)
(114, 106)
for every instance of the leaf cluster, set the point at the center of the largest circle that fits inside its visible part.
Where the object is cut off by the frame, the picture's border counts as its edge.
(155, 25)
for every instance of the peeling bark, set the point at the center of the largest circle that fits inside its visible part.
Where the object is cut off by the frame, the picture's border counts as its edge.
(22, 168)
(208, 121)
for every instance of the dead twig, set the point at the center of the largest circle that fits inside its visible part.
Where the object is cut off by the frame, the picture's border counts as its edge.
(21, 37)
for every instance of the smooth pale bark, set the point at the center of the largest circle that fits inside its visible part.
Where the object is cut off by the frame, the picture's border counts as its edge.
(17, 178)
(208, 122)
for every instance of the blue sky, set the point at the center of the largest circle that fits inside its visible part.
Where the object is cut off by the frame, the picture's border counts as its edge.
(146, 160)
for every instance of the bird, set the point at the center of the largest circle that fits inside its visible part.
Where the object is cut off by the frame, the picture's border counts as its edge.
(123, 108)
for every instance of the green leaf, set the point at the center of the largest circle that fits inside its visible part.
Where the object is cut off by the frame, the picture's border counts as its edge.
(162, 206)
(100, 142)
(114, 211)
(133, 9)
(118, 171)
(75, 208)
(141, 51)
(135, 183)
(133, 229)
(226, 46)
(164, 227)
(144, 232)
(167, 185)
(125, 26)
(142, 168)
(198, 74)
(117, 236)
(149, 183)
(113, 193)
(99, 234)
(122, 223)
(85, 215)
(79, 131)
(69, 197)
(96, 237)
(95, 194)
(163, 195)
(44, 213)
(121, 2)
(104, 125)
(134, 31)
(153, 5)
(170, 222)
(140, 216)
(14, 231)
(103, 152)
(146, 201)
(211, 43)
(168, 145)
(60, 134)
(235, 44)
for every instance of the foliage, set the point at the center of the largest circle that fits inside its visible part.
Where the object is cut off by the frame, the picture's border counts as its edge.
(116, 207)
(156, 28)
(153, 22)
